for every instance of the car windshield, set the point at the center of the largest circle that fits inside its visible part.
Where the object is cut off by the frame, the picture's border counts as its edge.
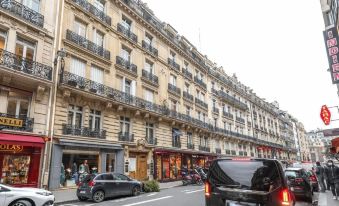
(253, 175)
(291, 173)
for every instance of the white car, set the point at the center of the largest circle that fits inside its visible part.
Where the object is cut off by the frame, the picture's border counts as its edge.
(12, 196)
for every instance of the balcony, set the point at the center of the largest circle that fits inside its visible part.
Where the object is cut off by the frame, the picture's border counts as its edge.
(204, 148)
(149, 48)
(228, 98)
(187, 96)
(87, 44)
(94, 11)
(18, 123)
(216, 110)
(127, 66)
(239, 119)
(152, 140)
(218, 150)
(25, 66)
(176, 144)
(151, 78)
(22, 12)
(126, 137)
(173, 64)
(227, 115)
(173, 89)
(68, 129)
(187, 74)
(190, 146)
(200, 82)
(127, 33)
(201, 103)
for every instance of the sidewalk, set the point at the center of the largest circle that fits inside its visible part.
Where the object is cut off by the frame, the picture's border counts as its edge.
(325, 199)
(69, 195)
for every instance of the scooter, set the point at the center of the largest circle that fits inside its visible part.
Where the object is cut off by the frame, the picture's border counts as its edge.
(191, 178)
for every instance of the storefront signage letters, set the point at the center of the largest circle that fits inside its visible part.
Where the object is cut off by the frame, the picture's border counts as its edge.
(331, 42)
(11, 122)
(11, 148)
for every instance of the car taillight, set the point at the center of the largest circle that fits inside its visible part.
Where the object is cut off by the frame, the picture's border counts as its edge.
(285, 197)
(91, 183)
(207, 189)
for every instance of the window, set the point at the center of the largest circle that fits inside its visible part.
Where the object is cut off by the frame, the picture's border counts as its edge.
(189, 138)
(204, 117)
(126, 54)
(95, 120)
(215, 122)
(125, 125)
(173, 80)
(18, 104)
(187, 88)
(188, 111)
(78, 67)
(126, 23)
(149, 131)
(99, 4)
(225, 125)
(198, 94)
(203, 141)
(174, 105)
(98, 37)
(120, 177)
(3, 37)
(74, 116)
(202, 97)
(176, 136)
(80, 28)
(149, 95)
(97, 74)
(148, 39)
(214, 103)
(25, 49)
(217, 144)
(128, 85)
(186, 65)
(32, 4)
(149, 67)
(212, 85)
(199, 115)
(172, 55)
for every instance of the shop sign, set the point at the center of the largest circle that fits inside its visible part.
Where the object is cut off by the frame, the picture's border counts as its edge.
(11, 122)
(331, 42)
(11, 148)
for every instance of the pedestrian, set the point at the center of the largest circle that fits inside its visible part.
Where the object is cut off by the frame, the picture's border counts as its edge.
(320, 172)
(332, 174)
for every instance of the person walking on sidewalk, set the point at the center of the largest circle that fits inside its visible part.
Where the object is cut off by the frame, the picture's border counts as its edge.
(332, 174)
(320, 172)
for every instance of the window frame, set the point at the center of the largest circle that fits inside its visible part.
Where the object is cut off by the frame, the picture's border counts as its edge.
(94, 115)
(74, 114)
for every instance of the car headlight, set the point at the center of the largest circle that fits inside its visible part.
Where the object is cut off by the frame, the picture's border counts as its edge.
(44, 193)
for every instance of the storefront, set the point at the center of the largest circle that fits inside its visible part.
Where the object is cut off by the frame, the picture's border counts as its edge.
(72, 160)
(20, 159)
(169, 163)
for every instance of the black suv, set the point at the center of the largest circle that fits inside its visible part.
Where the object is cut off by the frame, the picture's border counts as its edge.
(300, 185)
(237, 182)
(100, 186)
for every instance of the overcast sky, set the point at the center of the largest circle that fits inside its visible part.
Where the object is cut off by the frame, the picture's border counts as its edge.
(276, 47)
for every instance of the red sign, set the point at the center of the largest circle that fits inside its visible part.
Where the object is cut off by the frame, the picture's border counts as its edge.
(325, 115)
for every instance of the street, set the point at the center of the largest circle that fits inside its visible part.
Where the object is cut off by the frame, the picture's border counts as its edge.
(178, 196)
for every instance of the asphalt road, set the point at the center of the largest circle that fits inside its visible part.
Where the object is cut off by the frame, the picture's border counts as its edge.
(177, 196)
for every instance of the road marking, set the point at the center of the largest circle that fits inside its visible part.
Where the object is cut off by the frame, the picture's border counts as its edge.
(185, 190)
(124, 199)
(151, 194)
(194, 191)
(146, 201)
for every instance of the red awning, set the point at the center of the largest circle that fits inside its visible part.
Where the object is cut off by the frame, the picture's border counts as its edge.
(22, 140)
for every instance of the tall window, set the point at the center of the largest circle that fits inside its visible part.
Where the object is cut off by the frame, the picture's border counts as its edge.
(126, 23)
(98, 37)
(174, 105)
(18, 104)
(214, 103)
(74, 116)
(148, 39)
(217, 144)
(173, 80)
(149, 95)
(25, 49)
(212, 85)
(99, 4)
(202, 97)
(203, 141)
(78, 67)
(189, 138)
(149, 67)
(187, 88)
(188, 111)
(95, 119)
(199, 115)
(80, 28)
(97, 74)
(125, 125)
(128, 85)
(32, 4)
(3, 37)
(172, 55)
(176, 136)
(149, 131)
(204, 117)
(126, 54)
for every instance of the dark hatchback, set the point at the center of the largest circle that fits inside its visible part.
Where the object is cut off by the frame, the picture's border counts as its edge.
(250, 182)
(100, 186)
(299, 182)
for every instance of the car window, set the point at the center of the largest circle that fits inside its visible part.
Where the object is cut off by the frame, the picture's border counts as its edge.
(3, 189)
(120, 177)
(291, 173)
(107, 177)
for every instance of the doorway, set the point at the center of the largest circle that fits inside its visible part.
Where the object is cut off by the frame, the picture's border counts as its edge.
(138, 166)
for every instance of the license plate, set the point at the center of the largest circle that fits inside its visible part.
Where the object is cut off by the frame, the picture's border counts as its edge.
(82, 192)
(233, 203)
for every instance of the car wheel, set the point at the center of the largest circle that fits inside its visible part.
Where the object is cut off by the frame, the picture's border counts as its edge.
(21, 203)
(98, 196)
(136, 191)
(82, 198)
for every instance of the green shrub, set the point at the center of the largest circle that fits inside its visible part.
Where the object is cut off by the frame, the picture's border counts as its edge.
(151, 186)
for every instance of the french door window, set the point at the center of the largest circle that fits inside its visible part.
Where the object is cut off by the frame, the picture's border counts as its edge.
(99, 4)
(149, 95)
(80, 28)
(25, 49)
(148, 39)
(126, 23)
(75, 116)
(3, 37)
(189, 138)
(98, 38)
(97, 75)
(173, 80)
(32, 4)
(125, 54)
(95, 120)
(125, 125)
(149, 67)
(149, 131)
(18, 104)
(78, 67)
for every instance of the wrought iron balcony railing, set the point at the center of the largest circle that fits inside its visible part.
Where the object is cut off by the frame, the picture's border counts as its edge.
(126, 137)
(87, 44)
(232, 100)
(190, 146)
(22, 122)
(174, 89)
(68, 129)
(127, 65)
(176, 144)
(173, 64)
(23, 12)
(216, 110)
(150, 77)
(152, 140)
(228, 115)
(201, 103)
(204, 148)
(186, 73)
(218, 150)
(200, 82)
(18, 63)
(94, 11)
(187, 96)
(149, 48)
(239, 119)
(127, 33)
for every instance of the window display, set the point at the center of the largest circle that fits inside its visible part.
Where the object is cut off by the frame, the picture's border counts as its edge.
(15, 169)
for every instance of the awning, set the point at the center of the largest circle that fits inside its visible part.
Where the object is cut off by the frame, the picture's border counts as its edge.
(24, 140)
(165, 150)
(79, 143)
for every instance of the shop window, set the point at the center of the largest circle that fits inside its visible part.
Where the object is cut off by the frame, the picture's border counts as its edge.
(125, 125)
(95, 120)
(175, 165)
(74, 116)
(18, 104)
(3, 37)
(149, 131)
(25, 49)
(15, 169)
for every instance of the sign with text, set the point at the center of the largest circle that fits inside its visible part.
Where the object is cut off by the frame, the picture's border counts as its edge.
(11, 148)
(332, 48)
(11, 122)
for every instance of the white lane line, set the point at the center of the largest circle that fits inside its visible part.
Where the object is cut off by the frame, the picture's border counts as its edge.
(152, 194)
(124, 199)
(146, 201)
(194, 191)
(185, 190)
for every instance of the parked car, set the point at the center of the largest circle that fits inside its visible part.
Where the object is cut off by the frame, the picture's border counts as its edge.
(97, 187)
(299, 182)
(25, 196)
(313, 180)
(247, 182)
